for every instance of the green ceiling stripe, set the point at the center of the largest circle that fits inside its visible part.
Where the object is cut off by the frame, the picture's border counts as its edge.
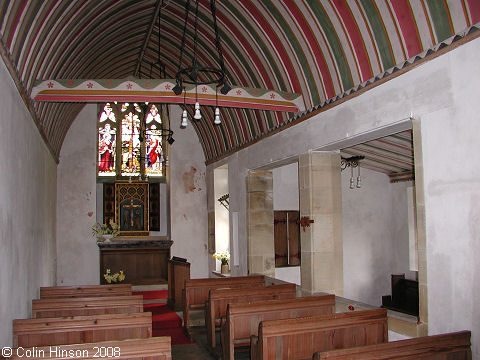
(441, 23)
(334, 43)
(300, 54)
(380, 36)
(260, 43)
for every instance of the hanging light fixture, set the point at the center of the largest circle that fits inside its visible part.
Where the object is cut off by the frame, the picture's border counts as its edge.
(194, 73)
(352, 162)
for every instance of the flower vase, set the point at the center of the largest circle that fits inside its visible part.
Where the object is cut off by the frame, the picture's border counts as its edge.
(107, 237)
(224, 269)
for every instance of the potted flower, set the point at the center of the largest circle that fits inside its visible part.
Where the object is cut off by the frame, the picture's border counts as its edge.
(104, 232)
(224, 258)
(113, 278)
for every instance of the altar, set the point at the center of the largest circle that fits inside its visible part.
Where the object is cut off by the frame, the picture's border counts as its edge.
(143, 259)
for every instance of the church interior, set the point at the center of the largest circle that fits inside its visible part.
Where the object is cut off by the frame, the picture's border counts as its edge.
(322, 143)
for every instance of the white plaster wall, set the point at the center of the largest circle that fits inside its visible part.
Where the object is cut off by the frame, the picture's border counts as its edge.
(77, 251)
(374, 224)
(285, 197)
(401, 256)
(189, 219)
(27, 211)
(222, 229)
(450, 148)
(285, 187)
(443, 96)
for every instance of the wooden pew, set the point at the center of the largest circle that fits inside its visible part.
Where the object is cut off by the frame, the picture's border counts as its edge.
(81, 329)
(218, 299)
(85, 291)
(453, 346)
(300, 338)
(242, 319)
(45, 308)
(196, 292)
(156, 348)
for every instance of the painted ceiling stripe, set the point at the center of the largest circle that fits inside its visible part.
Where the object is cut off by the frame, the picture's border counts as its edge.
(474, 7)
(427, 17)
(356, 38)
(254, 38)
(378, 29)
(390, 22)
(346, 41)
(365, 30)
(441, 20)
(403, 13)
(296, 51)
(277, 43)
(334, 43)
(298, 30)
(331, 82)
(252, 54)
(468, 18)
(458, 16)
(15, 20)
(47, 46)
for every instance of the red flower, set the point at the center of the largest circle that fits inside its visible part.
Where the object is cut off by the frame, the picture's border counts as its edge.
(351, 308)
(272, 96)
(167, 87)
(204, 89)
(239, 92)
(90, 85)
(129, 86)
(50, 85)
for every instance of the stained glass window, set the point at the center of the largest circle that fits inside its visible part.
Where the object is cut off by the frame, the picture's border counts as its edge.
(134, 146)
(106, 142)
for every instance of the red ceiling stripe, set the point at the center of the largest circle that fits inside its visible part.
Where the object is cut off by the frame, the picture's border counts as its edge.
(406, 20)
(277, 43)
(357, 39)
(474, 6)
(314, 45)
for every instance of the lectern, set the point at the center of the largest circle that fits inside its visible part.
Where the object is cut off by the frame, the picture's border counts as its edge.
(178, 272)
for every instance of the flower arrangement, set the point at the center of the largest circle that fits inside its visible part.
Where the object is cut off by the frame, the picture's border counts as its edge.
(114, 278)
(106, 229)
(224, 257)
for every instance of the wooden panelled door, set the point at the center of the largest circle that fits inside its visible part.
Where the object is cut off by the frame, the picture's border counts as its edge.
(287, 238)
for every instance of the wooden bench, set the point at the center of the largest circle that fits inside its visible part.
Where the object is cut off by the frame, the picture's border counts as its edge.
(196, 292)
(242, 319)
(45, 308)
(300, 338)
(85, 291)
(453, 346)
(81, 329)
(156, 348)
(218, 299)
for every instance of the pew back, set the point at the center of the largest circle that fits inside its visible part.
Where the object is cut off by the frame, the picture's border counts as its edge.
(81, 329)
(85, 291)
(45, 308)
(243, 319)
(218, 299)
(300, 338)
(156, 348)
(196, 291)
(453, 346)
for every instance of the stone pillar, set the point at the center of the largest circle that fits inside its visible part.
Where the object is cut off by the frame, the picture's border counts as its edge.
(261, 246)
(319, 178)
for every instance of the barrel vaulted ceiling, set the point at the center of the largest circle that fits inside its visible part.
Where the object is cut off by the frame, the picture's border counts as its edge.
(319, 48)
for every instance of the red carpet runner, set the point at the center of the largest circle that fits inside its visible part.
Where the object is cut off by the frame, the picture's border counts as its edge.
(165, 322)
